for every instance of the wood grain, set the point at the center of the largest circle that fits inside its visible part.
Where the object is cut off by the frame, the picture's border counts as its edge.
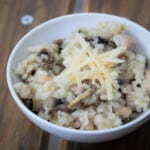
(135, 10)
(16, 131)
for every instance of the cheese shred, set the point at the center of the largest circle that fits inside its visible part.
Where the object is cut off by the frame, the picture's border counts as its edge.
(79, 98)
(88, 65)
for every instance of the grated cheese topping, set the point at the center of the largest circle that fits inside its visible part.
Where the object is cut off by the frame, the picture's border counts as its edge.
(79, 98)
(85, 64)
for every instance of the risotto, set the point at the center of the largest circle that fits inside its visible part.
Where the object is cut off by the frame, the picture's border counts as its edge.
(94, 79)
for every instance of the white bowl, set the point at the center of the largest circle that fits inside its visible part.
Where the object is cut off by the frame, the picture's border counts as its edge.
(60, 28)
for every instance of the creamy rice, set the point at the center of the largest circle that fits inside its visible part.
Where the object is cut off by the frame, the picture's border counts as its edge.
(94, 79)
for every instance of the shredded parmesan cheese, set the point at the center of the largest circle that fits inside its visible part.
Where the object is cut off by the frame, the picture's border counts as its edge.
(79, 98)
(88, 65)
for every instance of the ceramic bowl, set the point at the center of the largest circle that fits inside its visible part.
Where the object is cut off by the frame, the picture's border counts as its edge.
(59, 28)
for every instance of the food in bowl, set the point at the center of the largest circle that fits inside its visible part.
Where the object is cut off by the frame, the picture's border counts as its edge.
(94, 79)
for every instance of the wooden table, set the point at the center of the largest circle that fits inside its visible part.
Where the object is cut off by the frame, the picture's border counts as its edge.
(16, 131)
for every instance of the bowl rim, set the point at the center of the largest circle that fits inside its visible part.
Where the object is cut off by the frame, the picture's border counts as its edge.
(27, 112)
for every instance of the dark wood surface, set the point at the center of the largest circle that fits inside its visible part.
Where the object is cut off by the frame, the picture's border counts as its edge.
(16, 131)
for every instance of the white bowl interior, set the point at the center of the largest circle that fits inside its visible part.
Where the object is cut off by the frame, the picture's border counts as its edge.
(61, 28)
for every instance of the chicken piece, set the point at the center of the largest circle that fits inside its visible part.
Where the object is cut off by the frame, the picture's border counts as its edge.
(123, 111)
(147, 82)
(26, 92)
(124, 40)
(23, 90)
(41, 76)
